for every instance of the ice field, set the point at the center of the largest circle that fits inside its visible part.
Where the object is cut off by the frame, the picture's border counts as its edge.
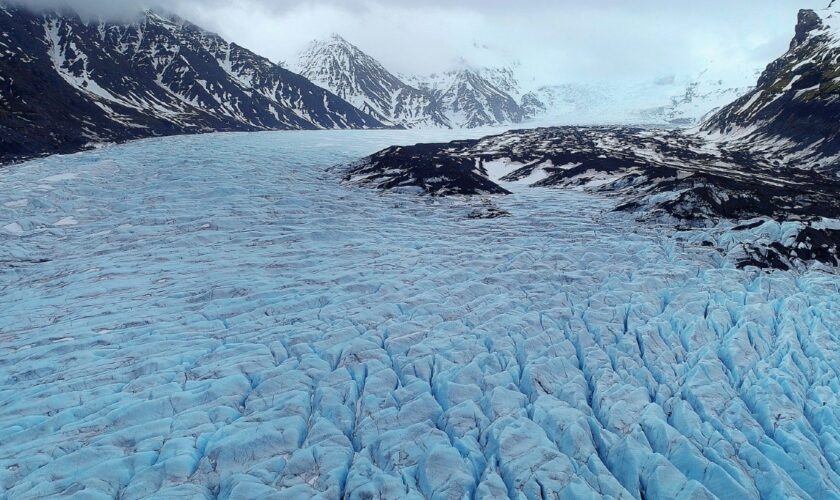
(218, 317)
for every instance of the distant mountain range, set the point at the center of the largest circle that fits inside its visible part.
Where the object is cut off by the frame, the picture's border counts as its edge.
(635, 103)
(65, 83)
(469, 99)
(476, 97)
(457, 99)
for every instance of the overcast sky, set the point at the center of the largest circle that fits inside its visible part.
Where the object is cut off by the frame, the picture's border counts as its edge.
(554, 40)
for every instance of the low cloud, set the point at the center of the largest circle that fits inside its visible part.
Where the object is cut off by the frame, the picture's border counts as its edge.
(87, 8)
(554, 40)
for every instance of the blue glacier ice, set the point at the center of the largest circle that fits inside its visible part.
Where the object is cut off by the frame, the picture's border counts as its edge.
(218, 317)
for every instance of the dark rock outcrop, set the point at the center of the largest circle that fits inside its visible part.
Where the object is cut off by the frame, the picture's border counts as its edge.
(793, 111)
(657, 174)
(428, 167)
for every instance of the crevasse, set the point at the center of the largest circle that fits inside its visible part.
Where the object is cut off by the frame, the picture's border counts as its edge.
(224, 319)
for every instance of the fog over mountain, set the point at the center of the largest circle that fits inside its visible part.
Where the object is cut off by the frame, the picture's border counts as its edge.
(553, 41)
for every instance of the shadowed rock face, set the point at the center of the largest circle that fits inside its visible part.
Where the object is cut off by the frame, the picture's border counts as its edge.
(809, 21)
(65, 83)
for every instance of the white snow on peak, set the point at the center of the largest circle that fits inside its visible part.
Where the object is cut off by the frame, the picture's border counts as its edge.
(831, 25)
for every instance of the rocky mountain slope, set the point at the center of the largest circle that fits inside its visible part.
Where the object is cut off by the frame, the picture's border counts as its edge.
(794, 109)
(458, 99)
(471, 100)
(339, 66)
(65, 83)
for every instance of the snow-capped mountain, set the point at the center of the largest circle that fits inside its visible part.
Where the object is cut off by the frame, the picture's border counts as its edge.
(465, 98)
(503, 78)
(655, 102)
(339, 66)
(65, 82)
(794, 108)
(470, 100)
(474, 96)
(703, 97)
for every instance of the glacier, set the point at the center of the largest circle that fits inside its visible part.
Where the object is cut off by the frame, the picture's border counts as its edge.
(216, 316)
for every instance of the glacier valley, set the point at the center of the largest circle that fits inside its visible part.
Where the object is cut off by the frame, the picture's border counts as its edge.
(217, 316)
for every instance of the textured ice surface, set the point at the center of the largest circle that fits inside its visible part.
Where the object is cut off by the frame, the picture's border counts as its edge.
(223, 319)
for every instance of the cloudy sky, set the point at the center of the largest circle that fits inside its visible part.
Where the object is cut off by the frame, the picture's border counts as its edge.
(553, 40)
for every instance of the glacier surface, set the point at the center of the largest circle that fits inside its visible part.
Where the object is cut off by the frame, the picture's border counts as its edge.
(217, 317)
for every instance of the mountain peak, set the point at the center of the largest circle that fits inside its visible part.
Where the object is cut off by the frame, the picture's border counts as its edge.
(331, 40)
(796, 99)
(808, 21)
(461, 98)
(331, 46)
(341, 67)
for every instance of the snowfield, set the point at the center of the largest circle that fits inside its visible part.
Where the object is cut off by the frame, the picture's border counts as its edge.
(218, 317)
